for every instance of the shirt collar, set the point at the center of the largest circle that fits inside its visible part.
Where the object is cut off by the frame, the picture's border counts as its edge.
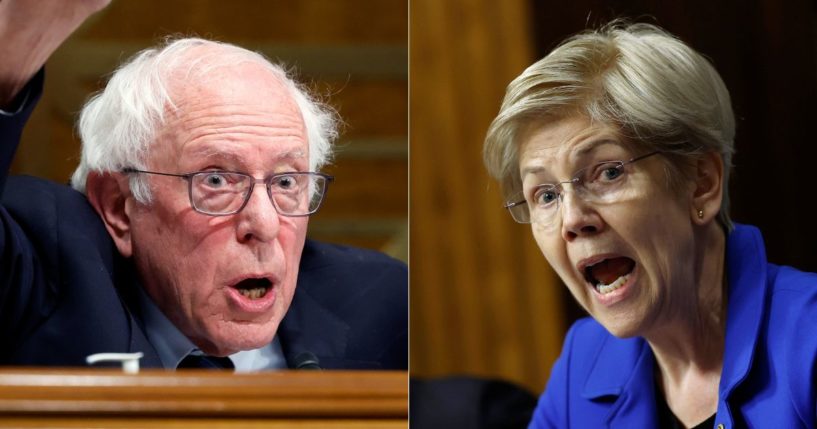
(173, 346)
(268, 357)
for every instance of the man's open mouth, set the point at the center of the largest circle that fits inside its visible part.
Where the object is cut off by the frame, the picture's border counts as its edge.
(254, 288)
(609, 274)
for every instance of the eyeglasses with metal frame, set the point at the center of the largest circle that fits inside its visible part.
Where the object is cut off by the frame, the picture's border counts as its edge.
(223, 193)
(598, 183)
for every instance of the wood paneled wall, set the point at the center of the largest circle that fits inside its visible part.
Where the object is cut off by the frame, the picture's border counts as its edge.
(353, 52)
(483, 300)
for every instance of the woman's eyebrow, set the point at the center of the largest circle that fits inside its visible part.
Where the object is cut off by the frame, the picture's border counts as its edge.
(584, 150)
(533, 169)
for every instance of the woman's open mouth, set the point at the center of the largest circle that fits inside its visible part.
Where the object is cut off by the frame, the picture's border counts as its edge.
(609, 274)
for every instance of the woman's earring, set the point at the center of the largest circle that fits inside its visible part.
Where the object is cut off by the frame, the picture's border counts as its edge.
(700, 214)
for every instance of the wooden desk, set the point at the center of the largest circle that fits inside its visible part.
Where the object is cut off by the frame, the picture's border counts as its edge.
(96, 398)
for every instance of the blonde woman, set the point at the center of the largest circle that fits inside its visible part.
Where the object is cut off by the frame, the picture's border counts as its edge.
(616, 148)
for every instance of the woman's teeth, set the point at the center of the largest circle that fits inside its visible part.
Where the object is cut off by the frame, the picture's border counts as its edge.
(605, 289)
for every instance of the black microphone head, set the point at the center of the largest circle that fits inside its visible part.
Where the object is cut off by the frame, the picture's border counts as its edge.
(306, 360)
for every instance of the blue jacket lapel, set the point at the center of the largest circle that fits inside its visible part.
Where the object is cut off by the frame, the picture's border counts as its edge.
(624, 380)
(747, 275)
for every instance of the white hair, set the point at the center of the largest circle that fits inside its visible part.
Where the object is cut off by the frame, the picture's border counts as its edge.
(118, 125)
(656, 90)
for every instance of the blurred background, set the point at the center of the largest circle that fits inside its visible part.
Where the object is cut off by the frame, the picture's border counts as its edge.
(351, 52)
(483, 300)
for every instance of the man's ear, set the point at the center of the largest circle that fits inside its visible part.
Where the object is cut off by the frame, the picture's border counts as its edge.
(108, 194)
(708, 189)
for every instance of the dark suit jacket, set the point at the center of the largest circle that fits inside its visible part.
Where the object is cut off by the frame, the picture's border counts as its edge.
(65, 292)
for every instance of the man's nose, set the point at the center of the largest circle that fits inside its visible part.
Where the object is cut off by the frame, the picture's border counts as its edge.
(579, 218)
(258, 220)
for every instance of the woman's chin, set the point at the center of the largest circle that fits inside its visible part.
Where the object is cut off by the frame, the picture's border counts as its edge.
(621, 326)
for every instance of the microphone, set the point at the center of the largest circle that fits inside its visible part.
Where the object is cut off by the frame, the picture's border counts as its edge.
(307, 360)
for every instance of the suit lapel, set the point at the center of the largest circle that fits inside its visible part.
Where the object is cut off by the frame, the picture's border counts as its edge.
(139, 343)
(126, 282)
(311, 326)
(622, 377)
(747, 274)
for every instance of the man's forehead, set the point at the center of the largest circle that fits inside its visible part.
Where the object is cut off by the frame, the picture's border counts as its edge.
(230, 88)
(245, 82)
(228, 106)
(212, 69)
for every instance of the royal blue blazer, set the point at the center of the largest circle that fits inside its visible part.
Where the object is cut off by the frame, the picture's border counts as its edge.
(770, 355)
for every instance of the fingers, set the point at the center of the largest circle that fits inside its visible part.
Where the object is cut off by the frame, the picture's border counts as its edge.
(30, 31)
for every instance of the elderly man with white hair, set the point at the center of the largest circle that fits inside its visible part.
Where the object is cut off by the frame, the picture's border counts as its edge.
(184, 236)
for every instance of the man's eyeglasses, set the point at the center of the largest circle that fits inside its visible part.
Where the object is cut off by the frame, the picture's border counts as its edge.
(222, 193)
(604, 182)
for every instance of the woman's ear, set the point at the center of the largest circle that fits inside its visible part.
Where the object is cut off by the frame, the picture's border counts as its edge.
(708, 188)
(108, 194)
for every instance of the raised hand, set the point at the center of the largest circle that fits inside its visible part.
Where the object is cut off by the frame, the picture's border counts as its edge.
(30, 31)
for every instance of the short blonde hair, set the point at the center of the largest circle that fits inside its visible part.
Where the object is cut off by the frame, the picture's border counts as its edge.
(660, 93)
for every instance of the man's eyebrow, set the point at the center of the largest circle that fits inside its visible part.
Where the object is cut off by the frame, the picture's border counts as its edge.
(220, 154)
(208, 153)
(292, 154)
